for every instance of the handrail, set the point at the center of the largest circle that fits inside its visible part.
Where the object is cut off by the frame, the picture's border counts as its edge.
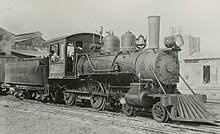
(187, 84)
(152, 70)
(106, 70)
(113, 61)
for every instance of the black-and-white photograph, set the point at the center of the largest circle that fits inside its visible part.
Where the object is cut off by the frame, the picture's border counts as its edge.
(109, 67)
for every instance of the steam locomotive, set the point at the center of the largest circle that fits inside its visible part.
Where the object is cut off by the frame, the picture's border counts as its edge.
(104, 73)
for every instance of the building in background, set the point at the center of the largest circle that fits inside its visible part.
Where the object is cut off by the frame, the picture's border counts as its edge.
(202, 69)
(190, 47)
(22, 45)
(29, 41)
(202, 73)
(7, 40)
(199, 69)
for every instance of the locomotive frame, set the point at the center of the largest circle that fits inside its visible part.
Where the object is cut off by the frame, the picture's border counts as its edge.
(110, 76)
(96, 88)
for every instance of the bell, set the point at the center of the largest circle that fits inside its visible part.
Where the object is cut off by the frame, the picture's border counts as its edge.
(140, 40)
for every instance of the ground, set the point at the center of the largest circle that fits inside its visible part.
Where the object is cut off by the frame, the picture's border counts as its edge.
(17, 121)
(27, 123)
(39, 119)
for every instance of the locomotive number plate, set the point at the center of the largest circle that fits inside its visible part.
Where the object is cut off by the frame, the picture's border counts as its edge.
(57, 68)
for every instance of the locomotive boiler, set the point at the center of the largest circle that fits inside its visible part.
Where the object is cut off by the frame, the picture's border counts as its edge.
(125, 69)
(136, 78)
(109, 72)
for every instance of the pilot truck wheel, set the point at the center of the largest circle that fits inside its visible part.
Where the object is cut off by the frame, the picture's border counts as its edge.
(159, 112)
(127, 109)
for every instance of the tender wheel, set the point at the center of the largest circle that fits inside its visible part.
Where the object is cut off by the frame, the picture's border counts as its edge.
(97, 102)
(69, 98)
(159, 112)
(3, 92)
(28, 95)
(128, 110)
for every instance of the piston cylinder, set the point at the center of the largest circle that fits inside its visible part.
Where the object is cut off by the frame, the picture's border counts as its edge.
(138, 95)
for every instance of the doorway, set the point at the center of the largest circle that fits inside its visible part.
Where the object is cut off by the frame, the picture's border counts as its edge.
(206, 74)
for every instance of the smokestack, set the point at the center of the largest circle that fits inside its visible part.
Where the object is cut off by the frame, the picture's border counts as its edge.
(154, 31)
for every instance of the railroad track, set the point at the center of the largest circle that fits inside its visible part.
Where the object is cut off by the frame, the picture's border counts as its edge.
(138, 123)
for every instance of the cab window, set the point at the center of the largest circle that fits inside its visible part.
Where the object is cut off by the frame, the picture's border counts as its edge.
(54, 52)
(61, 53)
(79, 45)
(70, 49)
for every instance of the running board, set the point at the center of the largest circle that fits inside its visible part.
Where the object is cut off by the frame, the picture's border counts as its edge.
(188, 108)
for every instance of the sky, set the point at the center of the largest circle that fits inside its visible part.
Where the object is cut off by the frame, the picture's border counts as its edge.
(55, 18)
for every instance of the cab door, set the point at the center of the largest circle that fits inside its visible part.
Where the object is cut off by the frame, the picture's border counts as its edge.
(73, 49)
(70, 58)
(57, 60)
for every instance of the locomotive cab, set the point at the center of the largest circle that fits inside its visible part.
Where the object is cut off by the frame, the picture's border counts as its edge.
(64, 51)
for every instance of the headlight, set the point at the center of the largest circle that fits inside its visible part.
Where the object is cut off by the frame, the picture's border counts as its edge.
(173, 41)
(179, 40)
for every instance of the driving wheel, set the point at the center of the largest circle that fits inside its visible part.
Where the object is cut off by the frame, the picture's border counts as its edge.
(97, 101)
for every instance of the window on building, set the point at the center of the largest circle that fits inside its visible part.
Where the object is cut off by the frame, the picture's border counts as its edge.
(206, 74)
